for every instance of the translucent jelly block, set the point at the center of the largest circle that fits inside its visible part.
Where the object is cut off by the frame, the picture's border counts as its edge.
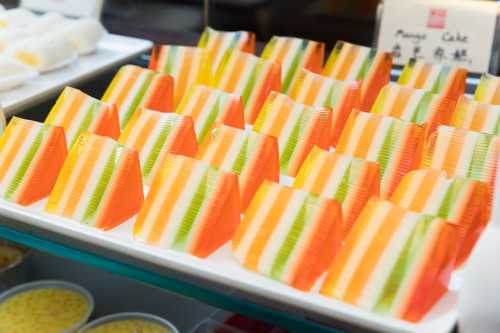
(208, 105)
(289, 235)
(475, 116)
(133, 87)
(395, 144)
(31, 156)
(394, 262)
(249, 76)
(458, 200)
(488, 89)
(154, 134)
(100, 183)
(464, 154)
(191, 207)
(252, 156)
(341, 96)
(78, 112)
(297, 127)
(437, 78)
(349, 180)
(187, 65)
(418, 106)
(294, 54)
(349, 62)
(219, 42)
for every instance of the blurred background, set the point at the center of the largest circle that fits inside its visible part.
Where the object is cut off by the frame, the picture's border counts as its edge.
(181, 21)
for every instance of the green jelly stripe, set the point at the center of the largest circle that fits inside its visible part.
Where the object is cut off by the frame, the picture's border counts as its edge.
(344, 185)
(387, 149)
(204, 38)
(291, 144)
(441, 80)
(269, 49)
(294, 66)
(87, 120)
(170, 59)
(239, 163)
(476, 166)
(25, 164)
(378, 106)
(156, 149)
(497, 126)
(193, 210)
(212, 116)
(450, 198)
(290, 242)
(102, 185)
(252, 79)
(367, 64)
(421, 113)
(404, 264)
(407, 72)
(137, 99)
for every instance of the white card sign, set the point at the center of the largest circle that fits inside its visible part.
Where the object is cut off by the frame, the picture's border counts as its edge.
(456, 32)
(76, 8)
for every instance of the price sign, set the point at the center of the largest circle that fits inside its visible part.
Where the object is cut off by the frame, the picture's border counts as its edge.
(76, 8)
(456, 32)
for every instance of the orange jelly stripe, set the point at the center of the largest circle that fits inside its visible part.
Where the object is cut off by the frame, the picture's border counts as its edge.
(14, 150)
(270, 221)
(200, 104)
(75, 106)
(235, 75)
(97, 146)
(366, 137)
(145, 133)
(256, 203)
(348, 61)
(162, 219)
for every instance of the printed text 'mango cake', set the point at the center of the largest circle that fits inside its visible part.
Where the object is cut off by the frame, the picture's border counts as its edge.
(251, 155)
(458, 200)
(297, 127)
(133, 87)
(187, 65)
(294, 54)
(341, 96)
(154, 134)
(78, 112)
(394, 262)
(475, 116)
(464, 153)
(249, 76)
(100, 183)
(349, 62)
(393, 143)
(289, 235)
(191, 207)
(31, 155)
(349, 180)
(418, 106)
(208, 105)
(219, 42)
(441, 79)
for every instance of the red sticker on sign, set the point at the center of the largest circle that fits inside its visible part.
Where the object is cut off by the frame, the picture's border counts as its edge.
(437, 18)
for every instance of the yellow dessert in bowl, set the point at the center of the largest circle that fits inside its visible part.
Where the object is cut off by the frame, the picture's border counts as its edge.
(129, 322)
(45, 307)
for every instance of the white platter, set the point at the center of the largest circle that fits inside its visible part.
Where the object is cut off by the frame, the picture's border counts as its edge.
(222, 269)
(112, 51)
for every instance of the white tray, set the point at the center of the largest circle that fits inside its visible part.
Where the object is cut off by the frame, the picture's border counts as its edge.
(113, 50)
(222, 269)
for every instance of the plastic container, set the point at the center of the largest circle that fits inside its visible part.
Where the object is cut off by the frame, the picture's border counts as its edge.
(129, 316)
(43, 284)
(16, 271)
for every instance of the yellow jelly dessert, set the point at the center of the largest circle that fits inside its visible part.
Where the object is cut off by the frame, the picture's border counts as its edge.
(130, 326)
(47, 310)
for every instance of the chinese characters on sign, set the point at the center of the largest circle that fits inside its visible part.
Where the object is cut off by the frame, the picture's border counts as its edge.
(457, 32)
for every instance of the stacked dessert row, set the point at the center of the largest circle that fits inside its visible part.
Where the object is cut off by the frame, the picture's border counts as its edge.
(389, 179)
